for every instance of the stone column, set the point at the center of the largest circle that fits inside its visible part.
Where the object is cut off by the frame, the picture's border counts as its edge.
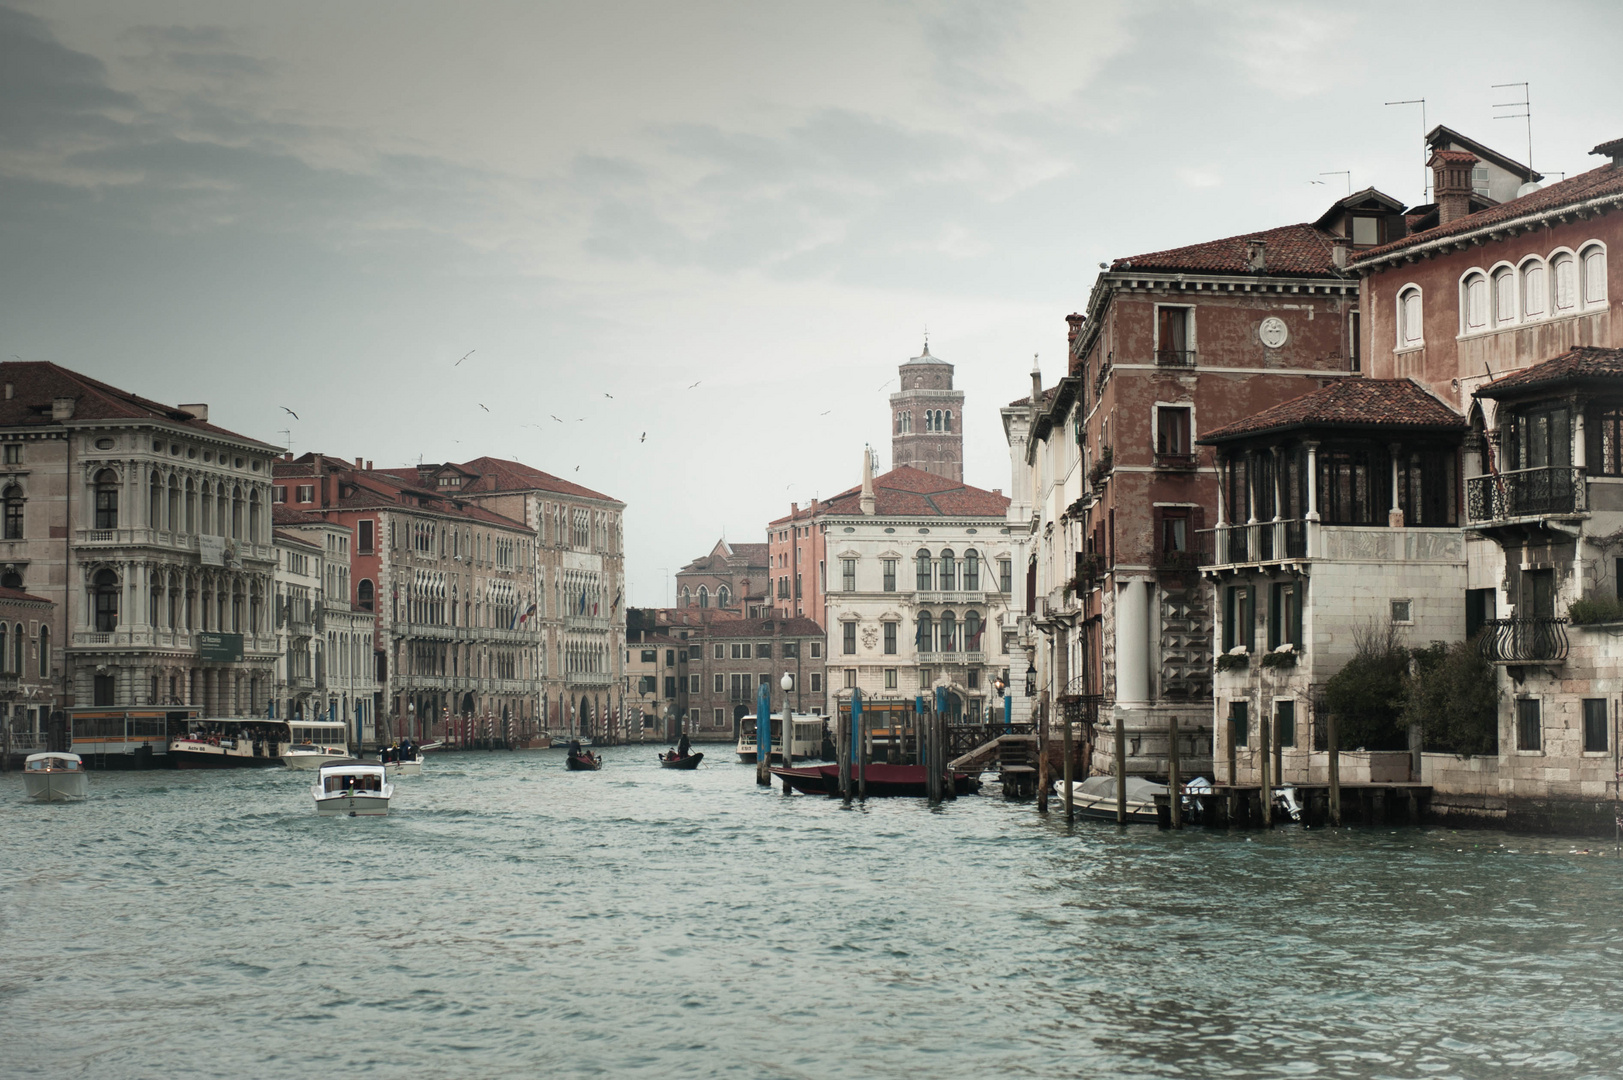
(1394, 516)
(1132, 643)
(1312, 497)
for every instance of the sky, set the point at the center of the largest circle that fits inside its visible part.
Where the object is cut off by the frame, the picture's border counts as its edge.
(675, 251)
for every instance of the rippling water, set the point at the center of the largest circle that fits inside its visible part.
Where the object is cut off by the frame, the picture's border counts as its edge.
(512, 918)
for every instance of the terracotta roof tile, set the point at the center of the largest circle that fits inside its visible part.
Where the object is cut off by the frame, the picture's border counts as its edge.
(1581, 363)
(35, 384)
(1359, 403)
(8, 593)
(1291, 250)
(1594, 184)
(909, 492)
(796, 627)
(497, 474)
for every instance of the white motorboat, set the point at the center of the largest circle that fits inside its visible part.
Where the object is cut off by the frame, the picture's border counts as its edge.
(55, 777)
(403, 760)
(315, 742)
(1095, 797)
(353, 788)
(808, 739)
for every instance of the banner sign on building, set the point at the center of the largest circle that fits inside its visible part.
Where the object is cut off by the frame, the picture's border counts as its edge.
(223, 648)
(212, 550)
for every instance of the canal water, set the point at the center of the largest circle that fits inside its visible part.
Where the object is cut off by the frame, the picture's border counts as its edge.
(511, 918)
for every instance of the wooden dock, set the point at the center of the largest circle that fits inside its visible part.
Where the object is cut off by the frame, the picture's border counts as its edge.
(1240, 805)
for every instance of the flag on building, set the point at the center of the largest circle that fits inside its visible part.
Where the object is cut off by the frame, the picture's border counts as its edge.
(527, 613)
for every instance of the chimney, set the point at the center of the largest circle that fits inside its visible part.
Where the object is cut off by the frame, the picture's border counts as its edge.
(1338, 251)
(1256, 256)
(1075, 321)
(1451, 183)
(1036, 387)
(369, 465)
(62, 408)
(867, 501)
(199, 412)
(357, 463)
(1613, 150)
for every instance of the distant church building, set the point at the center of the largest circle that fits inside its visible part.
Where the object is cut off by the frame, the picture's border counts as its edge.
(928, 418)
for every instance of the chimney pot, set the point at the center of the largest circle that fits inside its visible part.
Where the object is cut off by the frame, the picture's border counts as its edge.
(62, 408)
(1256, 256)
(198, 411)
(1451, 183)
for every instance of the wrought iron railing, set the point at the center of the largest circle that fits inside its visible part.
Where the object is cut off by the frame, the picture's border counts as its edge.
(1525, 493)
(962, 738)
(1175, 357)
(1524, 641)
(1263, 541)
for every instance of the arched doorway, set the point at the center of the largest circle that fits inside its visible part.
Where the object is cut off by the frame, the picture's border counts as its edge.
(585, 716)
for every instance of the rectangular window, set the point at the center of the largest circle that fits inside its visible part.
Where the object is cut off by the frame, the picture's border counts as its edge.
(926, 677)
(745, 649)
(890, 575)
(890, 678)
(1239, 723)
(307, 493)
(817, 649)
(1172, 431)
(1529, 730)
(974, 679)
(1403, 611)
(693, 684)
(365, 530)
(670, 686)
(890, 639)
(736, 651)
(1285, 614)
(693, 653)
(849, 638)
(763, 650)
(719, 652)
(670, 657)
(14, 453)
(850, 678)
(1285, 723)
(1595, 740)
(650, 656)
(717, 717)
(1005, 575)
(1239, 624)
(763, 679)
(791, 650)
(848, 575)
(1355, 346)
(1172, 337)
(817, 682)
(279, 493)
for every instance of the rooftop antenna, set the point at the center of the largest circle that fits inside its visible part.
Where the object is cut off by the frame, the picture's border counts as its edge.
(1526, 105)
(1425, 174)
(287, 442)
(1346, 173)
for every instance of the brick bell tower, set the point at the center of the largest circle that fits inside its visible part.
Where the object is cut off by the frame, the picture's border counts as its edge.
(927, 418)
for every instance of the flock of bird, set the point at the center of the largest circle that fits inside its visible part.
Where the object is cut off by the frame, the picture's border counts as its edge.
(580, 419)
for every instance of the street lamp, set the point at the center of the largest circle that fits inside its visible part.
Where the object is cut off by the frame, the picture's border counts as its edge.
(788, 684)
(1031, 681)
(411, 718)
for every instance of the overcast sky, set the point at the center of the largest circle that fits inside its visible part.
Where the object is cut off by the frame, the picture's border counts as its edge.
(324, 205)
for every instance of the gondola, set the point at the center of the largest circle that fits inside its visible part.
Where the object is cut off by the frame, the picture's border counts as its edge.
(586, 762)
(689, 762)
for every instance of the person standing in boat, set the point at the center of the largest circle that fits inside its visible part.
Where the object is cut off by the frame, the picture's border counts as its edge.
(683, 747)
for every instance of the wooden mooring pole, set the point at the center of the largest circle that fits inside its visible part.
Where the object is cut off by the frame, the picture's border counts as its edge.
(1069, 773)
(1265, 791)
(842, 751)
(1121, 771)
(1174, 781)
(1335, 769)
(763, 737)
(1042, 753)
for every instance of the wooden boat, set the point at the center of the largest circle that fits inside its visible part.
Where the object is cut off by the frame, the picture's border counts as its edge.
(1095, 798)
(883, 781)
(669, 761)
(53, 777)
(585, 762)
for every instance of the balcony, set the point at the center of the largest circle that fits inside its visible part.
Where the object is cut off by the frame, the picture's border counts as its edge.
(586, 622)
(1261, 541)
(1539, 640)
(1175, 358)
(1552, 491)
(950, 597)
(1180, 561)
(146, 637)
(590, 678)
(1176, 462)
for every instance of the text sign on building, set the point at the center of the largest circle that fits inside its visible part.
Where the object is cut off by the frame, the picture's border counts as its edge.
(212, 550)
(225, 648)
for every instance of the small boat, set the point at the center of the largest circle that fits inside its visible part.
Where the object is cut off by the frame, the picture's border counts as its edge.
(808, 741)
(585, 761)
(315, 741)
(883, 781)
(54, 777)
(403, 760)
(671, 761)
(1095, 798)
(352, 787)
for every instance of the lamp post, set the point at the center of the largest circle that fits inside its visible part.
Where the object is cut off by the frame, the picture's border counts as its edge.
(1003, 698)
(411, 718)
(1031, 680)
(788, 684)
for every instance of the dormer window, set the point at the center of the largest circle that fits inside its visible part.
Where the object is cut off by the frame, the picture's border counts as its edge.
(1366, 231)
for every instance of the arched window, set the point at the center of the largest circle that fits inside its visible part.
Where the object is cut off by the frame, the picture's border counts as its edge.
(1593, 261)
(687, 597)
(1474, 303)
(946, 420)
(220, 503)
(924, 570)
(236, 513)
(174, 521)
(949, 570)
(1565, 272)
(5, 654)
(972, 570)
(1504, 296)
(11, 579)
(1532, 289)
(107, 499)
(104, 587)
(17, 650)
(14, 512)
(924, 638)
(949, 632)
(722, 597)
(972, 631)
(704, 596)
(155, 503)
(1410, 332)
(45, 652)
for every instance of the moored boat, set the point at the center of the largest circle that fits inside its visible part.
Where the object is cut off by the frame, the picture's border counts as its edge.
(672, 761)
(229, 744)
(882, 781)
(353, 788)
(1095, 798)
(55, 778)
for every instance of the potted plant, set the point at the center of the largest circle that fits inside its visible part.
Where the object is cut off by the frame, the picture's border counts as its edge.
(1236, 659)
(1282, 657)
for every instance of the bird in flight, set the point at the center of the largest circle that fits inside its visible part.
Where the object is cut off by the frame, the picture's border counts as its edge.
(290, 412)
(465, 355)
(557, 418)
(644, 437)
(577, 468)
(695, 384)
(607, 394)
(825, 412)
(482, 406)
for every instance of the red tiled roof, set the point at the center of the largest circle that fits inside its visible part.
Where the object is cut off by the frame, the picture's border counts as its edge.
(1594, 184)
(497, 474)
(754, 554)
(289, 538)
(1360, 403)
(909, 492)
(796, 627)
(1046, 396)
(1289, 251)
(7, 593)
(287, 515)
(35, 384)
(1581, 363)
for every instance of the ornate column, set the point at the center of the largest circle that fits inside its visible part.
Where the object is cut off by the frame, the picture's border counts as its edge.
(1394, 516)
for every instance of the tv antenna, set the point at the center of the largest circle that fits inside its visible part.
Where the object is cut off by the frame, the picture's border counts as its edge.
(1526, 107)
(1425, 174)
(1344, 173)
(288, 442)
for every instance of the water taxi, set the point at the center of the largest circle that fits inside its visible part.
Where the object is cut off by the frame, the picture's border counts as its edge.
(353, 788)
(403, 760)
(808, 737)
(54, 777)
(314, 742)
